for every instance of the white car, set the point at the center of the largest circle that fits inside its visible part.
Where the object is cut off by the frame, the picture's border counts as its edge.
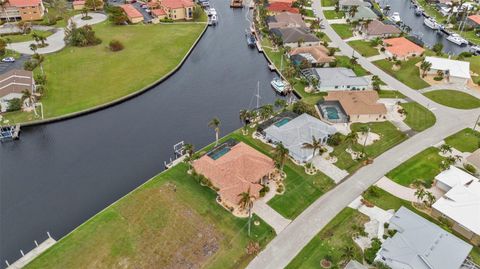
(8, 60)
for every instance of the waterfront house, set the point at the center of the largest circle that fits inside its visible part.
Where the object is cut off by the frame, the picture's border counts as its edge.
(280, 7)
(347, 4)
(461, 207)
(401, 48)
(455, 71)
(474, 20)
(12, 85)
(338, 79)
(286, 20)
(178, 9)
(314, 55)
(25, 10)
(378, 29)
(363, 13)
(234, 168)
(294, 132)
(296, 37)
(359, 106)
(474, 159)
(420, 244)
(133, 15)
(452, 177)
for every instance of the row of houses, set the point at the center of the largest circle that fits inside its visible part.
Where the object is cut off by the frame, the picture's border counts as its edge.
(164, 9)
(22, 10)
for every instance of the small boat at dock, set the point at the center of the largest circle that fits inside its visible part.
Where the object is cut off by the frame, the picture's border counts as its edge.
(8, 133)
(457, 39)
(418, 11)
(279, 85)
(251, 41)
(431, 23)
(395, 17)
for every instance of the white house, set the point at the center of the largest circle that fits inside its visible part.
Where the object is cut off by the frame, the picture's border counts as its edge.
(338, 79)
(455, 71)
(452, 177)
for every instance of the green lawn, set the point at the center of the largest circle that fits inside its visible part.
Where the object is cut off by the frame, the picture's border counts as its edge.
(455, 99)
(112, 75)
(467, 140)
(409, 74)
(309, 13)
(332, 14)
(27, 37)
(423, 166)
(330, 242)
(418, 117)
(171, 220)
(343, 30)
(329, 3)
(364, 48)
(344, 61)
(390, 94)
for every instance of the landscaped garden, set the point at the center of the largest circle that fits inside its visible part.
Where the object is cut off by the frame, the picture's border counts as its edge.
(408, 73)
(467, 140)
(168, 222)
(418, 117)
(364, 48)
(343, 30)
(455, 99)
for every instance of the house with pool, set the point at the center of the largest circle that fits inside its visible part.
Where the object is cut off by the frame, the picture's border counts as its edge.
(352, 106)
(337, 79)
(293, 131)
(234, 168)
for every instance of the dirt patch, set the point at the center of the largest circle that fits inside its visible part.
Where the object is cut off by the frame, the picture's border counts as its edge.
(368, 140)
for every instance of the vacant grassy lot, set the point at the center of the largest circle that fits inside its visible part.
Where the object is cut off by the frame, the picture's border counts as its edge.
(467, 140)
(332, 14)
(423, 166)
(171, 221)
(331, 241)
(344, 61)
(418, 117)
(364, 48)
(343, 30)
(408, 73)
(454, 99)
(81, 78)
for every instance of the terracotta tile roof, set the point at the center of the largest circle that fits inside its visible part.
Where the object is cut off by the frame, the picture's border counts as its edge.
(357, 102)
(319, 52)
(24, 3)
(282, 7)
(376, 27)
(282, 1)
(400, 46)
(158, 12)
(174, 4)
(131, 11)
(233, 173)
(475, 18)
(15, 81)
(78, 2)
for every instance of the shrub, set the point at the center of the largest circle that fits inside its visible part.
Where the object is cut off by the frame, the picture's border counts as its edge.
(391, 233)
(386, 225)
(437, 78)
(30, 65)
(470, 168)
(81, 37)
(280, 188)
(371, 252)
(14, 104)
(116, 15)
(166, 20)
(465, 54)
(264, 191)
(334, 140)
(301, 107)
(373, 191)
(115, 45)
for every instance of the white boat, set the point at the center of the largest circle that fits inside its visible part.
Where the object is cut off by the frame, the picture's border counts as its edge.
(457, 39)
(279, 85)
(395, 17)
(212, 19)
(418, 11)
(211, 12)
(431, 23)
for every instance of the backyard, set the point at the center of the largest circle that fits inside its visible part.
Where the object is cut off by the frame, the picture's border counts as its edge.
(170, 221)
(343, 30)
(467, 140)
(364, 48)
(409, 73)
(424, 166)
(418, 117)
(455, 99)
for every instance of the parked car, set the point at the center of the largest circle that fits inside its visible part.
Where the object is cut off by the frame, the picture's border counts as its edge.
(144, 6)
(8, 60)
(475, 50)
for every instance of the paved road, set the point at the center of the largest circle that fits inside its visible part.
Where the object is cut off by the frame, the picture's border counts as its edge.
(18, 64)
(295, 236)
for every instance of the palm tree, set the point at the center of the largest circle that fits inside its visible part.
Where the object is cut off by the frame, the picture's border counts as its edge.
(33, 47)
(42, 40)
(315, 145)
(266, 111)
(446, 148)
(354, 60)
(289, 72)
(280, 103)
(246, 203)
(215, 124)
(39, 58)
(420, 194)
(352, 11)
(348, 252)
(188, 149)
(425, 67)
(280, 155)
(430, 199)
(351, 138)
(245, 117)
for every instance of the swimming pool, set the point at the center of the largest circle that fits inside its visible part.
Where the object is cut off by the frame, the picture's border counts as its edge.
(218, 152)
(282, 122)
(332, 113)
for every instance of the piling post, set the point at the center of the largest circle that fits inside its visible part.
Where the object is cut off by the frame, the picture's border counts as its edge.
(36, 243)
(21, 251)
(8, 264)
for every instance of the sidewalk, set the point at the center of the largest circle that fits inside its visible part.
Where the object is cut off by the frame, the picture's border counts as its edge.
(329, 169)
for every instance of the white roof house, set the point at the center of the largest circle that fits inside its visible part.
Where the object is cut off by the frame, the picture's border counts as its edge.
(451, 177)
(462, 205)
(420, 244)
(458, 69)
(298, 131)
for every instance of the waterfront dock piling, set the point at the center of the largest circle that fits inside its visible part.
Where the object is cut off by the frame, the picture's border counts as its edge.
(32, 254)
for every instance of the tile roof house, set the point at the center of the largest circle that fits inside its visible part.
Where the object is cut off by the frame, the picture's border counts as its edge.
(377, 28)
(339, 79)
(347, 4)
(297, 131)
(461, 206)
(360, 106)
(452, 177)
(363, 13)
(402, 48)
(293, 37)
(315, 55)
(241, 168)
(420, 244)
(279, 7)
(286, 20)
(133, 15)
(474, 20)
(178, 9)
(474, 159)
(12, 84)
(25, 10)
(455, 71)
(290, 2)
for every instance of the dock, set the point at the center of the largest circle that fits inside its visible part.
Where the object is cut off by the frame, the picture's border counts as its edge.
(236, 3)
(8, 133)
(32, 254)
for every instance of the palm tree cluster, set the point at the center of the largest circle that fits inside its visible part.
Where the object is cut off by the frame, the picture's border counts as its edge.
(425, 197)
(280, 155)
(40, 40)
(425, 66)
(315, 145)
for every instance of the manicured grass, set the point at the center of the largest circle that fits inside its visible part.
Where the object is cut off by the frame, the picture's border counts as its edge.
(344, 61)
(418, 117)
(343, 30)
(331, 241)
(455, 99)
(332, 14)
(364, 48)
(274, 55)
(423, 166)
(309, 13)
(26, 37)
(408, 74)
(467, 140)
(112, 75)
(390, 94)
(329, 3)
(171, 220)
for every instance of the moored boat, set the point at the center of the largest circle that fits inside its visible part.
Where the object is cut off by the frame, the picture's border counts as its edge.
(279, 85)
(395, 17)
(418, 11)
(251, 40)
(457, 39)
(431, 23)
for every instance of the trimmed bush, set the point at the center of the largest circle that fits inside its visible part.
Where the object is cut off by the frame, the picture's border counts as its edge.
(115, 45)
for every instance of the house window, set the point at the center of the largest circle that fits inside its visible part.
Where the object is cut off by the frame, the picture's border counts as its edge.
(336, 87)
(348, 87)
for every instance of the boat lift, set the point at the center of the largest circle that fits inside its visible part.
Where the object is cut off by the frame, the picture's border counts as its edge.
(179, 151)
(8, 133)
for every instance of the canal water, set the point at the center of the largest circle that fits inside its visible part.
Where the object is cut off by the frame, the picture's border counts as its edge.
(420, 30)
(58, 175)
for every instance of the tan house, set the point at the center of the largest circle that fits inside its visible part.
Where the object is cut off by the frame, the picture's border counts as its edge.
(25, 10)
(359, 106)
(315, 55)
(286, 20)
(378, 29)
(12, 85)
(178, 9)
(133, 15)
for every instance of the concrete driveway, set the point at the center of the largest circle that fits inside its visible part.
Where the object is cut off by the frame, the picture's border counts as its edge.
(18, 64)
